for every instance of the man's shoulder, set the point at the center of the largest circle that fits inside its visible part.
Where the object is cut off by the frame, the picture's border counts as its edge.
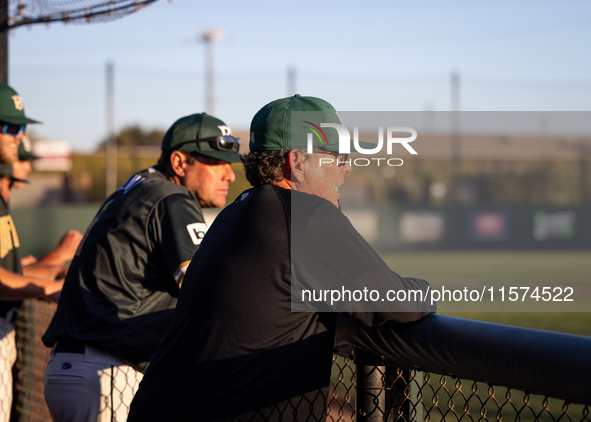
(255, 208)
(305, 204)
(152, 183)
(262, 194)
(144, 192)
(292, 201)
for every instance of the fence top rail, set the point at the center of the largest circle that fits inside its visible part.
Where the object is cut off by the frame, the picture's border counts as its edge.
(540, 362)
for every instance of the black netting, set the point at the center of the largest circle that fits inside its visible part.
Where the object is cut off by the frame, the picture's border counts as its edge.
(28, 12)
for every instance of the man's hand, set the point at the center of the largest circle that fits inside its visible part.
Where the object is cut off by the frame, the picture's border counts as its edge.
(28, 260)
(69, 243)
(65, 250)
(53, 290)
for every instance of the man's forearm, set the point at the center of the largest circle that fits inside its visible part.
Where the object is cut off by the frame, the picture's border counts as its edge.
(48, 272)
(19, 287)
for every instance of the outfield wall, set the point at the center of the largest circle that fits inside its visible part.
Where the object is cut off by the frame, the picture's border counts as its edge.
(385, 227)
(480, 227)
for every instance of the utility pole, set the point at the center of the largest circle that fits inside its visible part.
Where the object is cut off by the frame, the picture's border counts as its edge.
(111, 144)
(4, 41)
(208, 38)
(291, 81)
(456, 141)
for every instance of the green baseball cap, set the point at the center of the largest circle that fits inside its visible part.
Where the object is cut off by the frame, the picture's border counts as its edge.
(12, 109)
(288, 123)
(271, 128)
(202, 134)
(25, 150)
(6, 170)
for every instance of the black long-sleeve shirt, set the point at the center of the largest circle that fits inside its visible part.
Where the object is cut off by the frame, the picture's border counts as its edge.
(240, 347)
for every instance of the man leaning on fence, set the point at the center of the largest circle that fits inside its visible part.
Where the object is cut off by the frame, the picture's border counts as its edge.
(243, 344)
(124, 281)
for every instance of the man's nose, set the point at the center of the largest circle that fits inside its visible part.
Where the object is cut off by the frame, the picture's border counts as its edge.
(229, 174)
(347, 167)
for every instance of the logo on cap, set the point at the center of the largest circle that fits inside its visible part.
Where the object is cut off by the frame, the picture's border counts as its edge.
(226, 131)
(18, 102)
(316, 133)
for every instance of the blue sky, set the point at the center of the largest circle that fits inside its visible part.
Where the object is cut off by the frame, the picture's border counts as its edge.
(374, 55)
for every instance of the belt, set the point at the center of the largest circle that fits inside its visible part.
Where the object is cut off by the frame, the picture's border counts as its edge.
(69, 346)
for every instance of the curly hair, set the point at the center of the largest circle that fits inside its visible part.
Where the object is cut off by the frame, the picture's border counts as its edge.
(265, 167)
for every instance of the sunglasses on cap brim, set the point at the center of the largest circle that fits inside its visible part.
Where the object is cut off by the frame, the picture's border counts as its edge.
(12, 129)
(219, 143)
(341, 158)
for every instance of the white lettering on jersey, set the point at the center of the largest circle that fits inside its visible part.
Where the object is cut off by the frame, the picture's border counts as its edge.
(132, 182)
(8, 236)
(197, 232)
(226, 131)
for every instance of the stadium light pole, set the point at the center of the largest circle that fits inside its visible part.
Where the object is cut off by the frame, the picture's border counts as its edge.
(209, 37)
(456, 141)
(4, 41)
(111, 144)
(291, 81)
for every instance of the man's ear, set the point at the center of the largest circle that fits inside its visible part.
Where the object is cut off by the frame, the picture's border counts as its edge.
(177, 163)
(296, 165)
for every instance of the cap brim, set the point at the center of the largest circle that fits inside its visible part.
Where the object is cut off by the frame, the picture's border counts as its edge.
(228, 156)
(17, 120)
(14, 179)
(29, 157)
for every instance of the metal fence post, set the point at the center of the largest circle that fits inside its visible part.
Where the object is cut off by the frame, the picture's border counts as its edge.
(371, 389)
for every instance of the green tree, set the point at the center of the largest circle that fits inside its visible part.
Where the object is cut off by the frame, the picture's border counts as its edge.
(136, 135)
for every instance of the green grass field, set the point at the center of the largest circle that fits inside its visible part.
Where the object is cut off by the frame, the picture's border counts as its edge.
(508, 268)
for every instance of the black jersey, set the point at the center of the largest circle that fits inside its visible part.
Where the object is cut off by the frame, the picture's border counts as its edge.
(235, 350)
(124, 281)
(10, 258)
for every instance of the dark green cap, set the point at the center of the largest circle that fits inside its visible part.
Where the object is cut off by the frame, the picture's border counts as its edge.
(12, 109)
(272, 127)
(25, 150)
(186, 131)
(6, 170)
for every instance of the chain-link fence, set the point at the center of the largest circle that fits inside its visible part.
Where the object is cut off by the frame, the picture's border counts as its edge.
(29, 370)
(393, 394)
(358, 392)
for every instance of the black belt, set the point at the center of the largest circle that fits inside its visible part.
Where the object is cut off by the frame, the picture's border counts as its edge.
(69, 346)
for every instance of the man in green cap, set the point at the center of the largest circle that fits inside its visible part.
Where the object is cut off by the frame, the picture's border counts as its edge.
(23, 164)
(13, 123)
(64, 252)
(124, 281)
(244, 343)
(14, 287)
